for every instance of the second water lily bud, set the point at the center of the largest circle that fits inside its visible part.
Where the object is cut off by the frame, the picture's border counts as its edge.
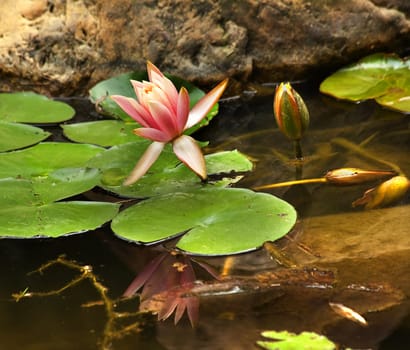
(385, 194)
(291, 113)
(354, 176)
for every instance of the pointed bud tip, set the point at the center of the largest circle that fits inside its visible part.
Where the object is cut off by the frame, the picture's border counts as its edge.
(290, 111)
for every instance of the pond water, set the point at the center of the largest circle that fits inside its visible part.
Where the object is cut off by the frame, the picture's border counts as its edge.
(336, 253)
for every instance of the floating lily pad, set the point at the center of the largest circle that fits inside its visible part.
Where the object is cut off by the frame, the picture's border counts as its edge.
(29, 107)
(102, 133)
(218, 221)
(285, 340)
(54, 219)
(46, 157)
(16, 135)
(383, 77)
(120, 85)
(27, 208)
(64, 183)
(167, 174)
(60, 184)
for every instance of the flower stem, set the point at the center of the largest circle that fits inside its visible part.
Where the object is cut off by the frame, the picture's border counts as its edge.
(290, 183)
(298, 149)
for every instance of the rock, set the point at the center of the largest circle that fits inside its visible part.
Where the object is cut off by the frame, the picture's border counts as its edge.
(366, 247)
(62, 47)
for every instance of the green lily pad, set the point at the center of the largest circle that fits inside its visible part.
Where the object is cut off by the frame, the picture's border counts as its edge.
(166, 175)
(383, 77)
(285, 340)
(29, 107)
(120, 85)
(63, 183)
(103, 133)
(27, 209)
(54, 219)
(44, 158)
(15, 135)
(60, 184)
(218, 221)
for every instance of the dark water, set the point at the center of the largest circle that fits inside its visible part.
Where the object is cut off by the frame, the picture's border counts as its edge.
(366, 251)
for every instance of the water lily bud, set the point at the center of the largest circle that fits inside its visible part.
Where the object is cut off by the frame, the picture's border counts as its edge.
(291, 113)
(386, 193)
(354, 176)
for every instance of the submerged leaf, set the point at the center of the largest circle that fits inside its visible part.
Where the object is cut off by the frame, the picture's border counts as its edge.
(29, 107)
(383, 77)
(219, 221)
(285, 340)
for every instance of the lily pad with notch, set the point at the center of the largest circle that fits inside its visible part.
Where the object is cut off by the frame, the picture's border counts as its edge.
(167, 174)
(212, 221)
(28, 207)
(383, 77)
(15, 135)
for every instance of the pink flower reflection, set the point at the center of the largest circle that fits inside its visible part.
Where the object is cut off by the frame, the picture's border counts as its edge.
(165, 281)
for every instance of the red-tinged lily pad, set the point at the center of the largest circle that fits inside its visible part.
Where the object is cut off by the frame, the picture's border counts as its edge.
(120, 85)
(29, 107)
(383, 77)
(15, 135)
(213, 221)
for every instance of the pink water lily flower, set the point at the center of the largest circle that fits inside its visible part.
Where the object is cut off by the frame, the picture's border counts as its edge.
(164, 115)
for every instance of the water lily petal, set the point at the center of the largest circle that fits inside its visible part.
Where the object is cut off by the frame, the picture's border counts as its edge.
(191, 304)
(170, 303)
(152, 134)
(182, 109)
(138, 88)
(129, 106)
(159, 79)
(164, 118)
(143, 277)
(188, 151)
(149, 121)
(157, 94)
(147, 92)
(170, 90)
(141, 89)
(193, 310)
(204, 105)
(154, 74)
(181, 306)
(148, 158)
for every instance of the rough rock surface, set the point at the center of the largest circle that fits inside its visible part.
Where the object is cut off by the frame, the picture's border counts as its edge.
(62, 47)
